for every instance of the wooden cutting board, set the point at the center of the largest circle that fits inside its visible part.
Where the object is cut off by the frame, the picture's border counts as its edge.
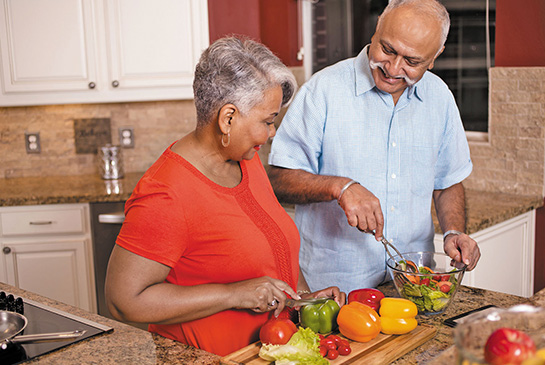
(383, 349)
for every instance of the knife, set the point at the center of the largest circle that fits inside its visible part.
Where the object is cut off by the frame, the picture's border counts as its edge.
(301, 302)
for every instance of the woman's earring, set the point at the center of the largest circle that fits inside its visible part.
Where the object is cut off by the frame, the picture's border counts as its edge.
(223, 143)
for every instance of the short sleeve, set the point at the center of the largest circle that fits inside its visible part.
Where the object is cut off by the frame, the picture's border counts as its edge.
(154, 226)
(454, 163)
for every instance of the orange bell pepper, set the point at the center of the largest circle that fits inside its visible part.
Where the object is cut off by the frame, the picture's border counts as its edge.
(358, 322)
(397, 316)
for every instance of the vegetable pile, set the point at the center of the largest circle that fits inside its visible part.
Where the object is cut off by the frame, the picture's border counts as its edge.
(314, 342)
(430, 292)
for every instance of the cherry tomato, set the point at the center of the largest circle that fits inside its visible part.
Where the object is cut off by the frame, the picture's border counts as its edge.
(336, 339)
(425, 281)
(277, 331)
(321, 336)
(332, 354)
(344, 350)
(345, 342)
(445, 278)
(323, 351)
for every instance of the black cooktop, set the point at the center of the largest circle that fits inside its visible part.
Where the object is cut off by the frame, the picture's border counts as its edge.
(44, 319)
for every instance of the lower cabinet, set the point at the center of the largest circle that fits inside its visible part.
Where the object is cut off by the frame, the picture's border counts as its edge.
(47, 250)
(507, 256)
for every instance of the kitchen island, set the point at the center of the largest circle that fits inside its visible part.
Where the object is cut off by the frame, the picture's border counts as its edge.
(130, 345)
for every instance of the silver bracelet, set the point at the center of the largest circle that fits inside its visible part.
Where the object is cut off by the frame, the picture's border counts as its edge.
(451, 231)
(348, 184)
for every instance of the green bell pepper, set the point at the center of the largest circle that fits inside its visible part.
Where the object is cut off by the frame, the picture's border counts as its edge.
(321, 318)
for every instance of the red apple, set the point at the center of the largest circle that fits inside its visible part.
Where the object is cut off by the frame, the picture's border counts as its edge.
(508, 346)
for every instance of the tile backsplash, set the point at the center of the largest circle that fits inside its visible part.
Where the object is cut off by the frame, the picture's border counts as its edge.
(156, 125)
(512, 160)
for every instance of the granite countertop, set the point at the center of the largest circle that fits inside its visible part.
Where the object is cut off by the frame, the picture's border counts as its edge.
(130, 345)
(484, 209)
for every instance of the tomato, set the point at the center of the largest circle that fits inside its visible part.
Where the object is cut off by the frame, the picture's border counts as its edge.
(323, 350)
(336, 339)
(445, 278)
(344, 350)
(277, 331)
(425, 281)
(508, 346)
(332, 354)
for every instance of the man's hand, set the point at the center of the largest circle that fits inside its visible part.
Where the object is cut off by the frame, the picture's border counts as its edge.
(462, 248)
(362, 210)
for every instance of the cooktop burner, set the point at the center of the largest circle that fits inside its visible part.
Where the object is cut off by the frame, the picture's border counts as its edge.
(44, 319)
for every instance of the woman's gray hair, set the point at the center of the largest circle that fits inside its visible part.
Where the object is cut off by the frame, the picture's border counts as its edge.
(431, 7)
(235, 70)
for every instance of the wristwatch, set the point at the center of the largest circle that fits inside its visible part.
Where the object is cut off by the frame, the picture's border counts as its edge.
(451, 231)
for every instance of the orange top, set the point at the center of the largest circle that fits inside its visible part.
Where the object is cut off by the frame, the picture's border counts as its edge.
(208, 233)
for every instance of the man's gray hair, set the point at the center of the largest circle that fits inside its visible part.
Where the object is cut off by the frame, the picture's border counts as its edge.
(235, 70)
(431, 7)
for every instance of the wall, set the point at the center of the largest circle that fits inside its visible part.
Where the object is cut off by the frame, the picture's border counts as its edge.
(512, 160)
(272, 22)
(156, 125)
(520, 33)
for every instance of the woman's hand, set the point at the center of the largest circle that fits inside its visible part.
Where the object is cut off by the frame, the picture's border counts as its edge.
(262, 294)
(331, 292)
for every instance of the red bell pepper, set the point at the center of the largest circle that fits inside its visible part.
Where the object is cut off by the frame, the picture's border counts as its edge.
(367, 296)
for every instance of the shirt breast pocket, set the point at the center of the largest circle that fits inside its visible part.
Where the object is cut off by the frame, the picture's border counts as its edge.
(422, 170)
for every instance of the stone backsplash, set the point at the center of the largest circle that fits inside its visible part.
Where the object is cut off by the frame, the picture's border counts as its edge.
(511, 160)
(156, 125)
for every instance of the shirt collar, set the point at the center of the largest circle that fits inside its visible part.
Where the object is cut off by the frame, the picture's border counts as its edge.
(365, 81)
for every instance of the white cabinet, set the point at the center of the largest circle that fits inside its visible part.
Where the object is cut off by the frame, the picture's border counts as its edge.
(47, 250)
(507, 256)
(90, 51)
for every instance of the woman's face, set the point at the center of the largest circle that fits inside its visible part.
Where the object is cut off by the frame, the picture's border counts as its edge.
(251, 131)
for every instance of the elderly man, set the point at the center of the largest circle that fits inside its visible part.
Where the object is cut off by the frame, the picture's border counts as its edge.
(367, 143)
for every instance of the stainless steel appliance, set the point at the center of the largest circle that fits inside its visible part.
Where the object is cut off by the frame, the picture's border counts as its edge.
(44, 319)
(106, 221)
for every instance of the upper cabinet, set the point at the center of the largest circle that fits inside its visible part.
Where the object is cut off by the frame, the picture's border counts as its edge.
(99, 51)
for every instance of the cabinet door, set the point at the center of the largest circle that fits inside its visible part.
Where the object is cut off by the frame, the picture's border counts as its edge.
(153, 43)
(56, 269)
(47, 45)
(507, 257)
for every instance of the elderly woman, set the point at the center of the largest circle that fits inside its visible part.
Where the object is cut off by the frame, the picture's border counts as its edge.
(206, 253)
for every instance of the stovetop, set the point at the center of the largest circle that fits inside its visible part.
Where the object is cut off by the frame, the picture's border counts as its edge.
(45, 319)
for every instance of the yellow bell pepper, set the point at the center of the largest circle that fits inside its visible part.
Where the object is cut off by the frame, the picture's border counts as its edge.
(397, 316)
(358, 322)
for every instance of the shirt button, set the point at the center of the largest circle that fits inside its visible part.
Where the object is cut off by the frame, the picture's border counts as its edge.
(392, 208)
(394, 144)
(391, 240)
(393, 176)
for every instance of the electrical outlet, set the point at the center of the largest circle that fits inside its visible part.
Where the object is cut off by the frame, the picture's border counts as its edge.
(126, 137)
(32, 142)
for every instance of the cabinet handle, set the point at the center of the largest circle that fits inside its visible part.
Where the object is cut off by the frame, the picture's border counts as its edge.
(40, 223)
(6, 250)
(92, 85)
(115, 83)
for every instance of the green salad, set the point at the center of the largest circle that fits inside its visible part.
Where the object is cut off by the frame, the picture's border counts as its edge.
(430, 293)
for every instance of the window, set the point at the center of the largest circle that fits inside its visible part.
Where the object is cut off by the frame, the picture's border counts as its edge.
(341, 28)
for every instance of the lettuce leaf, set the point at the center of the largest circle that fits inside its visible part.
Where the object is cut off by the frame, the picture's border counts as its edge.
(302, 348)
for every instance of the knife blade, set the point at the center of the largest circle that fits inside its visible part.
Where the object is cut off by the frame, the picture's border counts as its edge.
(301, 302)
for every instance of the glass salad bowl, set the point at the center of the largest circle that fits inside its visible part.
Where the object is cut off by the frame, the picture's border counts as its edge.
(427, 279)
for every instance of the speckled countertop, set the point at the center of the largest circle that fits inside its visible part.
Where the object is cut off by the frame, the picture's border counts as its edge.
(484, 209)
(130, 345)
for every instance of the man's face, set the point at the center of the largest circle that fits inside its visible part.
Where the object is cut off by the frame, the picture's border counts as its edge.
(403, 47)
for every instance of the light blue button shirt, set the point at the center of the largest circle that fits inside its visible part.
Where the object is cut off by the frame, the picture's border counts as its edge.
(340, 124)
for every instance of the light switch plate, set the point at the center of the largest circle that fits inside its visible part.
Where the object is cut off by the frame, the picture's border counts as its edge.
(32, 142)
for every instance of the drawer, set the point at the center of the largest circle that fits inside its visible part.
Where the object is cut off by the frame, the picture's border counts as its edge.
(42, 221)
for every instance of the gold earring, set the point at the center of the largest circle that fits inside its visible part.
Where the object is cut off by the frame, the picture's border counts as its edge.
(223, 143)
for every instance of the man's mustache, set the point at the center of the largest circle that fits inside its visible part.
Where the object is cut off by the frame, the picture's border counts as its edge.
(375, 65)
